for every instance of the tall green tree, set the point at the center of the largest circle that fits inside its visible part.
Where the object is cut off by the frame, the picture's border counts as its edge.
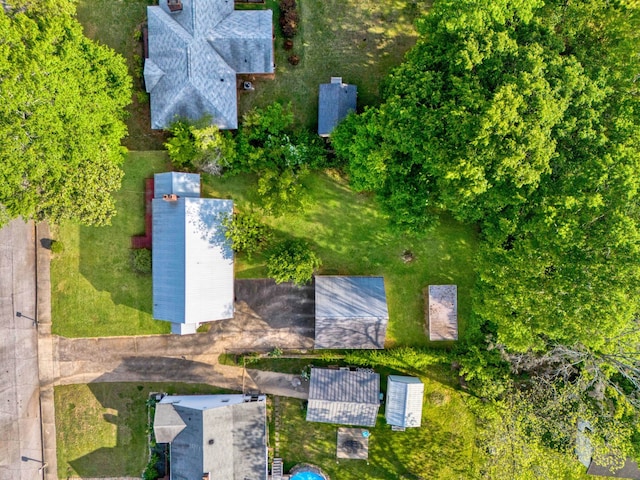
(61, 116)
(524, 118)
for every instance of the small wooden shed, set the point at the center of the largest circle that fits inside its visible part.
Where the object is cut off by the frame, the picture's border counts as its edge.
(442, 312)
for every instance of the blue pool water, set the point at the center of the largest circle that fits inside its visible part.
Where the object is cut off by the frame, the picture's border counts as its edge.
(307, 476)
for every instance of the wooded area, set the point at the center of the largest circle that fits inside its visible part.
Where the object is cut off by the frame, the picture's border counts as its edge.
(522, 117)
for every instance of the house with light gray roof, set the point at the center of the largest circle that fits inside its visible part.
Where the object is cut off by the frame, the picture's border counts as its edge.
(196, 48)
(344, 396)
(214, 437)
(192, 260)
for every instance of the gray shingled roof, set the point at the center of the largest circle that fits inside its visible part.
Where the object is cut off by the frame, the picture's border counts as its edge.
(223, 435)
(195, 54)
(404, 401)
(335, 101)
(343, 396)
(351, 312)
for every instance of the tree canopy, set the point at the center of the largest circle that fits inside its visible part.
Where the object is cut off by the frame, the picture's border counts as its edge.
(61, 116)
(523, 117)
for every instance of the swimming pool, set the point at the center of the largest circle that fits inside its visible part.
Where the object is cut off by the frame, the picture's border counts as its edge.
(305, 471)
(307, 476)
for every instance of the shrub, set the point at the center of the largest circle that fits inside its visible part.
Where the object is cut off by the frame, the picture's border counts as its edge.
(141, 260)
(288, 44)
(181, 146)
(294, 60)
(292, 261)
(283, 191)
(142, 96)
(286, 5)
(214, 149)
(246, 233)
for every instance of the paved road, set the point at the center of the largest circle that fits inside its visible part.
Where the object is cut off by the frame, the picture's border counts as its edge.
(20, 441)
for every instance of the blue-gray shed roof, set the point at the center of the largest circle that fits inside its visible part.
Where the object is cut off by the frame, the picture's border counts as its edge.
(344, 396)
(335, 101)
(192, 261)
(217, 434)
(351, 312)
(195, 54)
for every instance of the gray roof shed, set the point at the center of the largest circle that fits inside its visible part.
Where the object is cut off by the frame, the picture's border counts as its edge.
(404, 401)
(346, 397)
(192, 259)
(221, 435)
(195, 54)
(335, 101)
(351, 312)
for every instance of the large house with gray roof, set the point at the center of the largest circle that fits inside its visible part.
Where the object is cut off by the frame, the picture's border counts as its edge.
(351, 312)
(195, 50)
(344, 396)
(192, 261)
(214, 437)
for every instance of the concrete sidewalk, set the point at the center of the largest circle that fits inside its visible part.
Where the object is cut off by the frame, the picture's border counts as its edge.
(46, 364)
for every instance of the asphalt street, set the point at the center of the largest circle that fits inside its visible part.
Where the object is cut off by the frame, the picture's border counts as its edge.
(20, 428)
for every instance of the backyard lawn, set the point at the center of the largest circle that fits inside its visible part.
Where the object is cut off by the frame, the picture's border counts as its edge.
(442, 448)
(101, 428)
(361, 44)
(353, 237)
(95, 292)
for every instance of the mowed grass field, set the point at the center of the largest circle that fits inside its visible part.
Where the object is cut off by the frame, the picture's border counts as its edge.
(94, 290)
(352, 236)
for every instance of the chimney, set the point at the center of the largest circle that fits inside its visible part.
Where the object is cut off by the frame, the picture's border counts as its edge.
(170, 198)
(174, 5)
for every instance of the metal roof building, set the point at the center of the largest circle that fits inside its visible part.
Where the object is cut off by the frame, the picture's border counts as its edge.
(217, 437)
(335, 101)
(351, 312)
(344, 396)
(404, 401)
(192, 260)
(195, 53)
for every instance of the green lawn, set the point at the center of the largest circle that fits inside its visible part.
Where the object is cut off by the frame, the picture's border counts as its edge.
(353, 237)
(101, 428)
(358, 40)
(96, 293)
(442, 448)
(361, 44)
(94, 290)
